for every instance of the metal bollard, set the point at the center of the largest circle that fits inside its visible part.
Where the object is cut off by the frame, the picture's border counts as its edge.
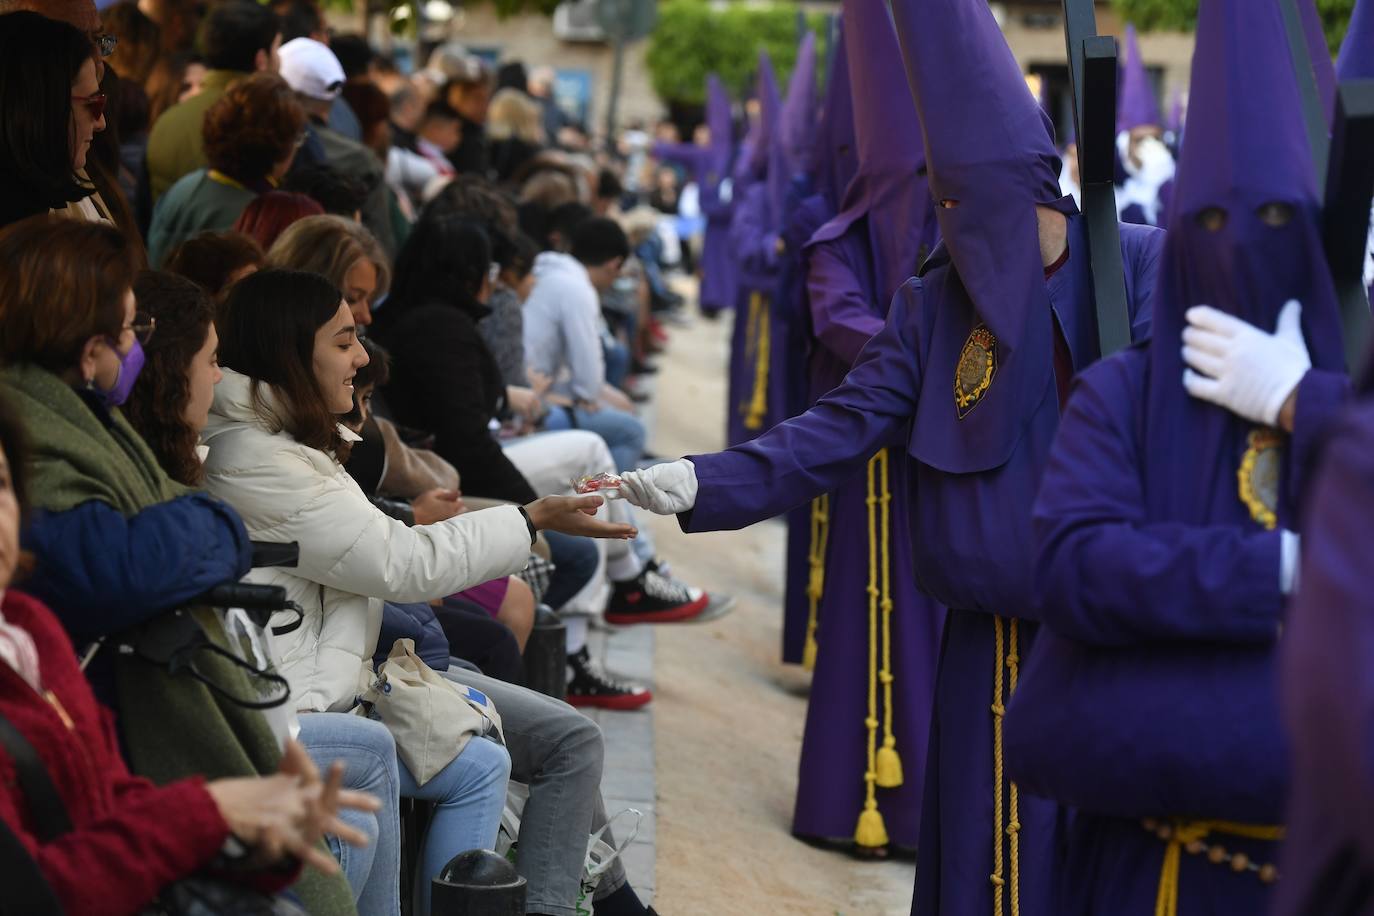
(546, 655)
(478, 883)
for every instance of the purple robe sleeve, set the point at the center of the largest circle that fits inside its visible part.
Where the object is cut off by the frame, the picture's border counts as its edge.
(754, 241)
(687, 155)
(820, 449)
(1108, 576)
(842, 316)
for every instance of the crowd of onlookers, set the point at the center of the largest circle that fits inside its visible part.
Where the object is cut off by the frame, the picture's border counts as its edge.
(272, 311)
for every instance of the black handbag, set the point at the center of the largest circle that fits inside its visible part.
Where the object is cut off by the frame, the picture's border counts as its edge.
(27, 892)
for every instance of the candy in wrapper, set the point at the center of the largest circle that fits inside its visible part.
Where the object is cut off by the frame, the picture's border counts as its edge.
(607, 485)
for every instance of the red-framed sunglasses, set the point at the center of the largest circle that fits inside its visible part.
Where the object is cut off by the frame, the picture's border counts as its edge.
(95, 104)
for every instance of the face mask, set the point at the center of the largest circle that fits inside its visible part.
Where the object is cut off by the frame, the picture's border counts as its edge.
(130, 365)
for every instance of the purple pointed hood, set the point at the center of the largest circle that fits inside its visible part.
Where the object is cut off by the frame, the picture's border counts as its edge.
(722, 129)
(1246, 171)
(790, 155)
(1357, 51)
(889, 188)
(837, 157)
(990, 159)
(1138, 106)
(770, 108)
(797, 128)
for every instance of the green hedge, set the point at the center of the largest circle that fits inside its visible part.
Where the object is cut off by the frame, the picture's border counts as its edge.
(693, 39)
(1182, 14)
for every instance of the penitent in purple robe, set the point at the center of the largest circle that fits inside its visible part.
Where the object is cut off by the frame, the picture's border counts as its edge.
(970, 541)
(1157, 528)
(855, 264)
(754, 237)
(710, 166)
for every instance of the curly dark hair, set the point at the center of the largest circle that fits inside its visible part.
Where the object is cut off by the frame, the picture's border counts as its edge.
(184, 312)
(254, 126)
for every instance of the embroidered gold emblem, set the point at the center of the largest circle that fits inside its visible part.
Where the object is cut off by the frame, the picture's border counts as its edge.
(977, 365)
(1258, 476)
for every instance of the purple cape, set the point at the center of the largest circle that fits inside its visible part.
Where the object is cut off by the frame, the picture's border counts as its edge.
(990, 160)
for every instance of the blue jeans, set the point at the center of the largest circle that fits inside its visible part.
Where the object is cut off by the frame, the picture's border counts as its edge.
(623, 432)
(468, 795)
(368, 753)
(575, 561)
(617, 357)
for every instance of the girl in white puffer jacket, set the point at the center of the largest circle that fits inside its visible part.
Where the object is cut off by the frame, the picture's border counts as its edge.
(290, 351)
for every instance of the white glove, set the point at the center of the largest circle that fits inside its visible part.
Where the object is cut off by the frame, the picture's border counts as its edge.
(1235, 365)
(664, 489)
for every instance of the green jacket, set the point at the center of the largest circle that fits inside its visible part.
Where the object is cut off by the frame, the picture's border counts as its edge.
(171, 726)
(198, 202)
(175, 144)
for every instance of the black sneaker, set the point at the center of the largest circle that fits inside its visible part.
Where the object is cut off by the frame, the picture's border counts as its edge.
(590, 685)
(652, 597)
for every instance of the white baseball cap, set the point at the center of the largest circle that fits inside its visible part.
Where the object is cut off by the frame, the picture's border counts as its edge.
(311, 69)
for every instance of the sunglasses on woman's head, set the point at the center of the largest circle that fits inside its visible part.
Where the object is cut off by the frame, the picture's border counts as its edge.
(95, 104)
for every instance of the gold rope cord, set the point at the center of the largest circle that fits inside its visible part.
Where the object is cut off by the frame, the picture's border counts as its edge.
(758, 405)
(815, 586)
(998, 711)
(889, 764)
(1014, 828)
(1185, 833)
(871, 831)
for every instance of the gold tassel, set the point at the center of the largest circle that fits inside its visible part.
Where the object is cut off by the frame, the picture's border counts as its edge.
(815, 588)
(889, 765)
(871, 832)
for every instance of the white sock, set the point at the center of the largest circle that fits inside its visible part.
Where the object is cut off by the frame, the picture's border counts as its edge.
(576, 633)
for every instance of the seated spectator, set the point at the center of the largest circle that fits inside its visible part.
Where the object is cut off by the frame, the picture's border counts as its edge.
(439, 133)
(565, 337)
(317, 78)
(215, 260)
(175, 77)
(169, 407)
(44, 145)
(237, 38)
(290, 351)
(268, 215)
(341, 251)
(128, 839)
(251, 136)
(338, 194)
(504, 328)
(468, 92)
(121, 549)
(515, 132)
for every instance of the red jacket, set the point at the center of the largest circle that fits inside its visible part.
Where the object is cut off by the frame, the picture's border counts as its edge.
(129, 838)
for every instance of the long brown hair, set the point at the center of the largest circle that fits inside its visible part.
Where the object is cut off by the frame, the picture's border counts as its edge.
(184, 313)
(330, 245)
(267, 332)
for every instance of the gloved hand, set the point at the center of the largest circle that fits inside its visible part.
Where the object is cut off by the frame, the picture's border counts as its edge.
(664, 489)
(1235, 365)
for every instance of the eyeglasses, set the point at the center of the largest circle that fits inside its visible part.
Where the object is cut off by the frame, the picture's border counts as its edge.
(143, 326)
(95, 104)
(104, 43)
